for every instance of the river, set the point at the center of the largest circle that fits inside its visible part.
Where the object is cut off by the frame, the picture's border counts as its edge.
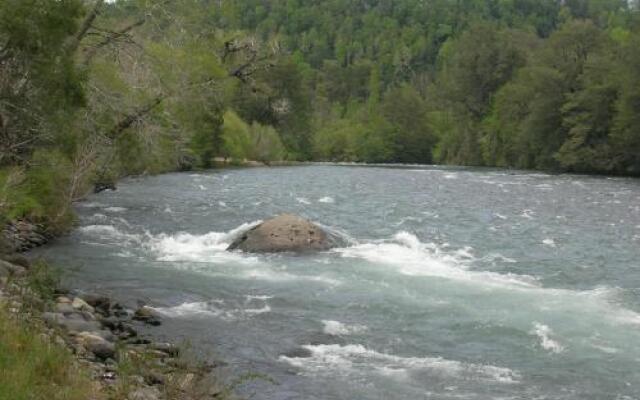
(452, 283)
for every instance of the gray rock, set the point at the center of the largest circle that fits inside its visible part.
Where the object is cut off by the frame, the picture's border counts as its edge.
(167, 348)
(64, 308)
(154, 378)
(97, 345)
(146, 393)
(147, 315)
(81, 305)
(106, 335)
(112, 323)
(98, 301)
(284, 233)
(52, 319)
(71, 323)
(22, 235)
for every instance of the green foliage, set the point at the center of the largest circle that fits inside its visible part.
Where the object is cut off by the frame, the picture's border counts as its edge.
(338, 140)
(282, 102)
(43, 280)
(406, 114)
(40, 83)
(266, 145)
(34, 369)
(253, 142)
(236, 136)
(41, 193)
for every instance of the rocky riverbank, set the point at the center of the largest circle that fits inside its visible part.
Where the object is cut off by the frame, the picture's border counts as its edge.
(22, 235)
(104, 337)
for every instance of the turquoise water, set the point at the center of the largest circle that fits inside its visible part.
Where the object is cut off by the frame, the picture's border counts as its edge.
(451, 284)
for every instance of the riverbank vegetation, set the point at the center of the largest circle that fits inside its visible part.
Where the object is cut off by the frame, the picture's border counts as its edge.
(58, 345)
(33, 368)
(93, 90)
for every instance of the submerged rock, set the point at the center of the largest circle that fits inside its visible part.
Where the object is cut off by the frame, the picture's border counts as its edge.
(147, 315)
(283, 233)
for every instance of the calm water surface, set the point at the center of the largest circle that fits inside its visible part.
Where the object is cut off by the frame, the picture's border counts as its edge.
(452, 283)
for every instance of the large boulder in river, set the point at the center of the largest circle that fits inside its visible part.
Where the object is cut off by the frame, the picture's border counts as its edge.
(284, 233)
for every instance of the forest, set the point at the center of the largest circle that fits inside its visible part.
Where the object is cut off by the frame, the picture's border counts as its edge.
(91, 91)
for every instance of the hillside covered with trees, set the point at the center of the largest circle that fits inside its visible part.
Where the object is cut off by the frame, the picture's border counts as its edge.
(92, 90)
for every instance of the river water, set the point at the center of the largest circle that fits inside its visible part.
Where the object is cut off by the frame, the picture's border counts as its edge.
(451, 284)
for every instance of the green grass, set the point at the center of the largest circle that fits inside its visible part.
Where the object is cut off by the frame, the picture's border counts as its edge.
(32, 368)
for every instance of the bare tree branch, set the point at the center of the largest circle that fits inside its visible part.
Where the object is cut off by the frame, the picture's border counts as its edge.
(130, 119)
(110, 38)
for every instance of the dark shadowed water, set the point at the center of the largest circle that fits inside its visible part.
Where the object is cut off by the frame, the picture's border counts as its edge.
(452, 284)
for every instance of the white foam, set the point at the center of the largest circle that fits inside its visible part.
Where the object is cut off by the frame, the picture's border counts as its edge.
(182, 246)
(99, 217)
(337, 328)
(261, 310)
(91, 204)
(191, 310)
(412, 257)
(356, 358)
(327, 199)
(544, 186)
(543, 332)
(303, 200)
(112, 233)
(209, 247)
(549, 242)
(213, 308)
(528, 214)
(258, 297)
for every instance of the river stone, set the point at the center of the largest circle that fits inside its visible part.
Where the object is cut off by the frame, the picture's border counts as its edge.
(99, 346)
(167, 348)
(81, 305)
(284, 233)
(98, 301)
(147, 315)
(73, 323)
(64, 308)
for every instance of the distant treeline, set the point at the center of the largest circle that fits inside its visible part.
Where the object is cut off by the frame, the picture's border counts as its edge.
(512, 83)
(91, 91)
